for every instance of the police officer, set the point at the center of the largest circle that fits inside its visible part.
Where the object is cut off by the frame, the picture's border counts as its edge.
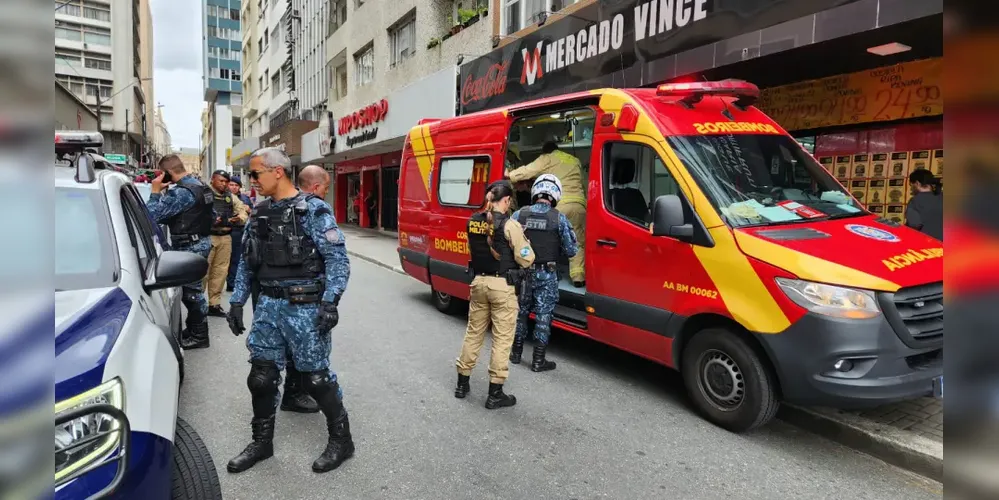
(295, 250)
(235, 187)
(186, 207)
(498, 251)
(549, 232)
(229, 212)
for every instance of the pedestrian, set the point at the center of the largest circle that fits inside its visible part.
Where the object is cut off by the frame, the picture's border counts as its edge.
(371, 203)
(235, 187)
(550, 234)
(498, 250)
(925, 209)
(297, 254)
(569, 171)
(186, 207)
(229, 211)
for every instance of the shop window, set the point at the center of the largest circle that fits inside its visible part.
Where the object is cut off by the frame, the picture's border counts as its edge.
(570, 130)
(633, 177)
(462, 181)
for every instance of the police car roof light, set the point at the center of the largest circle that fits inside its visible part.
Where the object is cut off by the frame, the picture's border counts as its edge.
(77, 140)
(693, 92)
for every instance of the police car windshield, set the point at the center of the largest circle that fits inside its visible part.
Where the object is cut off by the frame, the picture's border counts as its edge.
(762, 179)
(84, 256)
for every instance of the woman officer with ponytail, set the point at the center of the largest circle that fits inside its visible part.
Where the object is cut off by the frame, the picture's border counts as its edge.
(498, 250)
(925, 210)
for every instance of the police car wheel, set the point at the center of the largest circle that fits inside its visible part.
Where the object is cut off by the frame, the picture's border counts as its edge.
(727, 380)
(445, 303)
(194, 472)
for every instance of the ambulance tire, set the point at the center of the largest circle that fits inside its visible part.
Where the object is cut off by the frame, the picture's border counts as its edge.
(446, 303)
(728, 381)
(194, 474)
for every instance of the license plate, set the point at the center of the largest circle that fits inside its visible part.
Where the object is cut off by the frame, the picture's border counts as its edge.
(938, 387)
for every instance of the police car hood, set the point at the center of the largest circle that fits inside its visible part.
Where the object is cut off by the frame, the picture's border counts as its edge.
(856, 252)
(87, 324)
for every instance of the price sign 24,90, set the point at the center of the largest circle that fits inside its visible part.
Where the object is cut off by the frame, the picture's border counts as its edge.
(905, 90)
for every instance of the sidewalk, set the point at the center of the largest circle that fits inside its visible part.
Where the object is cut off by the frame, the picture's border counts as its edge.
(907, 434)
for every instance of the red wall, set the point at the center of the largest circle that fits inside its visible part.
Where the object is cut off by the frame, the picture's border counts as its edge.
(904, 137)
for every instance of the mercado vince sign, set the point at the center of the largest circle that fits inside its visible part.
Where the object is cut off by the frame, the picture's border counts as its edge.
(369, 115)
(604, 43)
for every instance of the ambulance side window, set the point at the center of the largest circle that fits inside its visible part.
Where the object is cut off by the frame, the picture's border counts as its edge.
(462, 182)
(633, 177)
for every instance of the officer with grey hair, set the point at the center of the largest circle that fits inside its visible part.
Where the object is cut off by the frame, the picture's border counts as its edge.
(296, 252)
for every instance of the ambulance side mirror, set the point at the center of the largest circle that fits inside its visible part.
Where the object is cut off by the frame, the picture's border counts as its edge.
(668, 219)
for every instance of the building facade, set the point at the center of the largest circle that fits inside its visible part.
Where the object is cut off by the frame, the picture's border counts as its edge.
(222, 75)
(162, 142)
(70, 112)
(392, 63)
(856, 82)
(103, 54)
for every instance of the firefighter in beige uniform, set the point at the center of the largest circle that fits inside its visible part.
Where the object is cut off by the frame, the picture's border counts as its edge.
(573, 204)
(498, 251)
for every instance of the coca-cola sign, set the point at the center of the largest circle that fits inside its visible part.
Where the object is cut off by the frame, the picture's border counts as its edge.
(492, 83)
(362, 118)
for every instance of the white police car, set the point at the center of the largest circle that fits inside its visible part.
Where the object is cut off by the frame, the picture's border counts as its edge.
(119, 365)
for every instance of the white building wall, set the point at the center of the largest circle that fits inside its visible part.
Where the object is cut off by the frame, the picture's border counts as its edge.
(309, 57)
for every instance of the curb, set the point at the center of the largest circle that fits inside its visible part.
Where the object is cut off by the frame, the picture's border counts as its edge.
(903, 449)
(376, 262)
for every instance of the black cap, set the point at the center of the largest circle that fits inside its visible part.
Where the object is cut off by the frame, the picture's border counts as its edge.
(223, 173)
(237, 180)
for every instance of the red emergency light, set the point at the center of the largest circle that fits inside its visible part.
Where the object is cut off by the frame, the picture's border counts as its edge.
(692, 92)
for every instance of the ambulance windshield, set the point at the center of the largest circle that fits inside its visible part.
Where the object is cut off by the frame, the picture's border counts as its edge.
(763, 179)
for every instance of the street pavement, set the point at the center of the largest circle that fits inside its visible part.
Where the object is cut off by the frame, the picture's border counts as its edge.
(605, 424)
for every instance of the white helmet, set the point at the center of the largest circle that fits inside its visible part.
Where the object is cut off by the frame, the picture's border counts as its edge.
(549, 185)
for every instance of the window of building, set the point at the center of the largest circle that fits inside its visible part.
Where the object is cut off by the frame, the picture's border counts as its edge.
(462, 181)
(213, 11)
(236, 127)
(98, 63)
(68, 9)
(276, 40)
(261, 87)
(234, 14)
(402, 40)
(519, 14)
(68, 34)
(71, 58)
(96, 12)
(364, 66)
(338, 15)
(265, 40)
(340, 79)
(276, 83)
(634, 176)
(235, 76)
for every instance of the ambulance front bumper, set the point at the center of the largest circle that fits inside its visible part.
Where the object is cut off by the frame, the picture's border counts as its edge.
(851, 364)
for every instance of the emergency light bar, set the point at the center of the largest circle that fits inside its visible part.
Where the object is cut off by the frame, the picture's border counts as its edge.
(693, 92)
(69, 141)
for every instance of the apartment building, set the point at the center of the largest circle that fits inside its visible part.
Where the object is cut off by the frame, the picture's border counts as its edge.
(103, 55)
(223, 87)
(394, 61)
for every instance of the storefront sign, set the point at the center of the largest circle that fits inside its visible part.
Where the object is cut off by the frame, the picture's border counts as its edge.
(367, 116)
(610, 37)
(326, 137)
(906, 90)
(367, 135)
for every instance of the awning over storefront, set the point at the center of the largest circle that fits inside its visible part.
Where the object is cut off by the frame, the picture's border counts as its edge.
(240, 156)
(631, 44)
(381, 126)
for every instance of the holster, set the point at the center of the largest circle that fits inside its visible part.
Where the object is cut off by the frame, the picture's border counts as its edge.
(296, 294)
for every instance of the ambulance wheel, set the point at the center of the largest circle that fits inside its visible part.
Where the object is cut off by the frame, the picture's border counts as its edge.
(727, 380)
(445, 303)
(194, 473)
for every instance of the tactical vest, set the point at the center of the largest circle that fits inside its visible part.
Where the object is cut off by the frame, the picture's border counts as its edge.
(224, 209)
(482, 260)
(281, 248)
(542, 231)
(197, 220)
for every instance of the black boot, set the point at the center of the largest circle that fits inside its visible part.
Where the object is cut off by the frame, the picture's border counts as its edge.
(340, 446)
(197, 336)
(261, 448)
(517, 350)
(497, 399)
(539, 363)
(295, 398)
(462, 389)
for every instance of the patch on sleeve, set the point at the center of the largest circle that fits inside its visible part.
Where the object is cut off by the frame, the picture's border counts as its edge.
(333, 236)
(323, 210)
(524, 252)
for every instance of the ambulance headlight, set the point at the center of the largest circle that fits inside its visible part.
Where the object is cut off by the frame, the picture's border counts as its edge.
(91, 437)
(829, 300)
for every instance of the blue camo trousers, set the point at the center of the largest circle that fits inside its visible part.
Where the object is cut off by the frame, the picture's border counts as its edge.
(279, 328)
(540, 297)
(195, 292)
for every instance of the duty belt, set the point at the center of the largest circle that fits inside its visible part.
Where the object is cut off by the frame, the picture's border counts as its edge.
(295, 294)
(545, 266)
(184, 239)
(496, 274)
(223, 231)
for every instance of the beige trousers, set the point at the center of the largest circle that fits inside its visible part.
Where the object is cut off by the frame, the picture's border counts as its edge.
(492, 300)
(218, 268)
(576, 214)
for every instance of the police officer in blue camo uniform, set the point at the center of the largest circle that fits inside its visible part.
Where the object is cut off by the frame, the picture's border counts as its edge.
(296, 252)
(549, 232)
(186, 207)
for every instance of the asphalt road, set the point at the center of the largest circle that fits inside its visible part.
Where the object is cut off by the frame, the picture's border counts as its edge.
(603, 425)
